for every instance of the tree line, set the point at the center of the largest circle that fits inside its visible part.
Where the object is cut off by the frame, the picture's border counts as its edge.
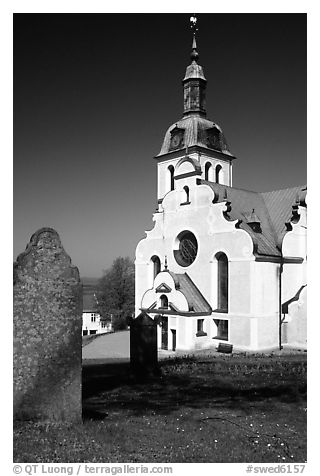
(115, 293)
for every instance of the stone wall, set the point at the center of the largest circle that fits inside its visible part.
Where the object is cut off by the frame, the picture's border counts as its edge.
(47, 322)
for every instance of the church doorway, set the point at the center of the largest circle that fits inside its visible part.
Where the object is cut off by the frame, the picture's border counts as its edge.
(164, 333)
(174, 339)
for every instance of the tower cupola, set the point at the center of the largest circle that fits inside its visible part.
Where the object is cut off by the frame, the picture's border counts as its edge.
(194, 85)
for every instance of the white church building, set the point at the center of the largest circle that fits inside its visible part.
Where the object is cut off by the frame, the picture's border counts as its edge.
(221, 264)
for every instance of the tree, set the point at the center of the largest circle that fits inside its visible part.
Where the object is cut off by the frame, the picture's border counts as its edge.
(115, 292)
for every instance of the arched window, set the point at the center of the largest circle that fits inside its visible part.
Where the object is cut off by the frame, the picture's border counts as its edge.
(186, 197)
(171, 176)
(164, 301)
(207, 168)
(223, 282)
(156, 265)
(218, 169)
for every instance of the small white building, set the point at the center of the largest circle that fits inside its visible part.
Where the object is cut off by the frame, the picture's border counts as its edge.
(221, 265)
(91, 319)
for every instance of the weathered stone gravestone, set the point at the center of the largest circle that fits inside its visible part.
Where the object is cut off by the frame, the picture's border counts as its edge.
(143, 347)
(47, 320)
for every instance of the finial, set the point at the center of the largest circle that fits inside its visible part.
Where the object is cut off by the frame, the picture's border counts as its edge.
(165, 263)
(193, 21)
(194, 29)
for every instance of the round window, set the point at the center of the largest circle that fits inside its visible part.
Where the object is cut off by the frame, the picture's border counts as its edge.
(187, 248)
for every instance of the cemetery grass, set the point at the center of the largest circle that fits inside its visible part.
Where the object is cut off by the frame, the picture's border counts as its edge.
(221, 408)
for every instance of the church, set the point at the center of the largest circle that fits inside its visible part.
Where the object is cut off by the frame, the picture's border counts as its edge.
(221, 265)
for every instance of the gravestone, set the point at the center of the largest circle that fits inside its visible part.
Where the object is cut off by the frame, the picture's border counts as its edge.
(225, 348)
(143, 347)
(47, 321)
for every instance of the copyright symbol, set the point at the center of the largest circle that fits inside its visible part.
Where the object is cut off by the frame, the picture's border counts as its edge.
(17, 469)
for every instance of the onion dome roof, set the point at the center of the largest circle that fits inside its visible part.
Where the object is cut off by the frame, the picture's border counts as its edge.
(194, 130)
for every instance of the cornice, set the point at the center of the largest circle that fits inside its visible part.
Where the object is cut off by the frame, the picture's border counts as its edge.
(195, 149)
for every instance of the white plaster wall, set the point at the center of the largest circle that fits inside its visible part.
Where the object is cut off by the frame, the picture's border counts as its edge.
(295, 245)
(174, 296)
(240, 331)
(295, 241)
(163, 174)
(268, 332)
(213, 232)
(297, 321)
(184, 168)
(264, 288)
(239, 287)
(253, 286)
(92, 326)
(182, 333)
(293, 277)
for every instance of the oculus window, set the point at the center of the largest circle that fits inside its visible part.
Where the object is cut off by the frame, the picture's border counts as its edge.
(186, 248)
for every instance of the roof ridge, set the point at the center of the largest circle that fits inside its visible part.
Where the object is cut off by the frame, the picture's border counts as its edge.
(301, 187)
(228, 186)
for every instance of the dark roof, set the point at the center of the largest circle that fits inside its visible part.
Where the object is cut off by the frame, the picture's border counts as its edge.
(279, 205)
(196, 301)
(272, 209)
(195, 132)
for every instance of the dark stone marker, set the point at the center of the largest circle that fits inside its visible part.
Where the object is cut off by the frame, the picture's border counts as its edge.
(47, 321)
(143, 347)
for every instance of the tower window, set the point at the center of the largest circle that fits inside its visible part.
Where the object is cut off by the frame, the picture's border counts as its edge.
(207, 171)
(186, 199)
(223, 282)
(218, 170)
(171, 177)
(156, 265)
(164, 302)
(213, 138)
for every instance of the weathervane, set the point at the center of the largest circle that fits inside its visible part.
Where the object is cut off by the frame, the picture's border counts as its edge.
(194, 29)
(193, 22)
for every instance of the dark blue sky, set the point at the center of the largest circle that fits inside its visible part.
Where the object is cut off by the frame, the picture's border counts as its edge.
(95, 93)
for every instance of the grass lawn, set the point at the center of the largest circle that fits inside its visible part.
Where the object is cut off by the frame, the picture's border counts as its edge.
(219, 408)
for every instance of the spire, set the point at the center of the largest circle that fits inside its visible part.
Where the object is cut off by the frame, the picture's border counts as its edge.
(194, 52)
(194, 82)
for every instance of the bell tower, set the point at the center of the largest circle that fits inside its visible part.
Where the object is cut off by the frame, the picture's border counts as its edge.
(194, 138)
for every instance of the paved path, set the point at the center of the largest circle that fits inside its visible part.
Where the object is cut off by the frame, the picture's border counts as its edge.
(112, 347)
(108, 346)
(115, 348)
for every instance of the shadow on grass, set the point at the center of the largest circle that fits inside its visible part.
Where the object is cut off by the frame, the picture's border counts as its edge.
(110, 387)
